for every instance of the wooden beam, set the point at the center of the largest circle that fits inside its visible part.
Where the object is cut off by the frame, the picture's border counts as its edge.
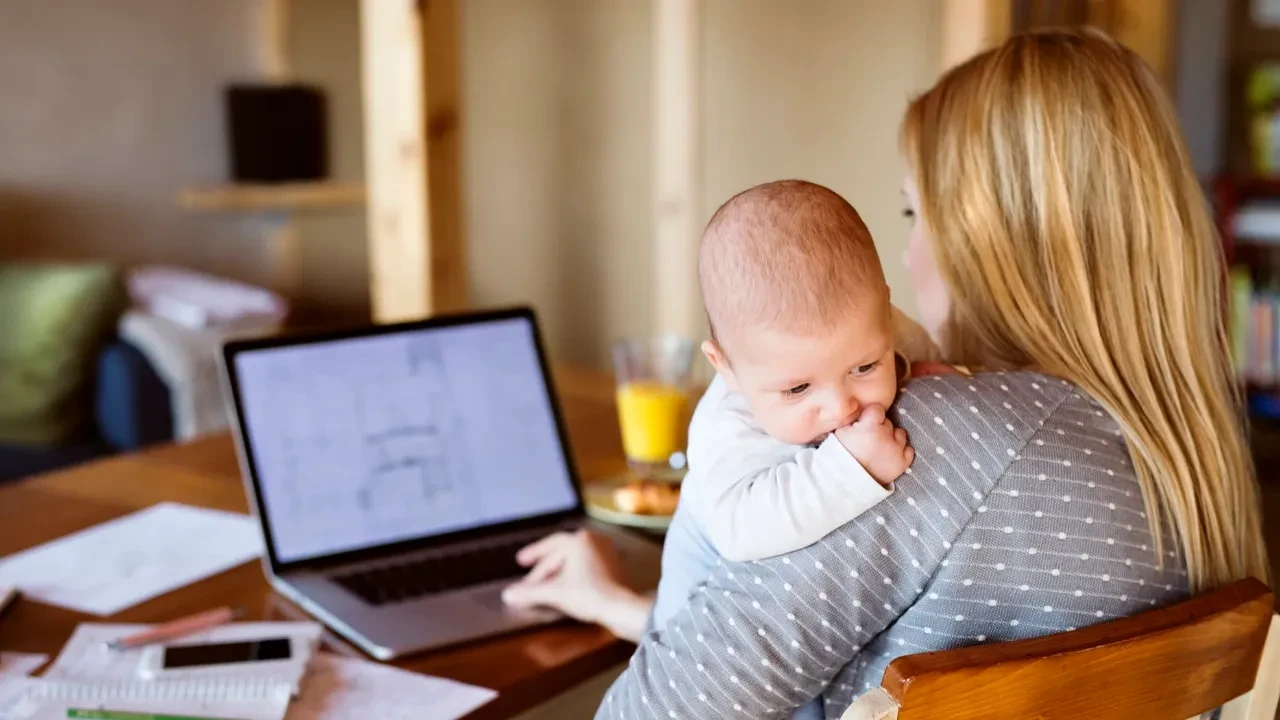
(416, 256)
(676, 129)
(444, 160)
(274, 39)
(971, 26)
(1149, 28)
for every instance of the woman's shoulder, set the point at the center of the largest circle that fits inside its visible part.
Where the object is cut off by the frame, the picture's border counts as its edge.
(995, 414)
(1023, 394)
(1000, 381)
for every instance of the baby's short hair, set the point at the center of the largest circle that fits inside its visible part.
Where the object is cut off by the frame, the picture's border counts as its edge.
(789, 255)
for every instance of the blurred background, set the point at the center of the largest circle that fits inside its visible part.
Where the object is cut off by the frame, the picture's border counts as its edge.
(198, 167)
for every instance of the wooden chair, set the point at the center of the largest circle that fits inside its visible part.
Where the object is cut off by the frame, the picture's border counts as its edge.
(1219, 649)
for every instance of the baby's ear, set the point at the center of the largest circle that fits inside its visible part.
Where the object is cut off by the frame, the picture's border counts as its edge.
(719, 361)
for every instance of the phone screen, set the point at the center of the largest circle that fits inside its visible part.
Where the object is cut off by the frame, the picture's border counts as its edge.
(183, 656)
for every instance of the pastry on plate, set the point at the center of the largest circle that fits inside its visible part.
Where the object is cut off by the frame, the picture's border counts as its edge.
(646, 497)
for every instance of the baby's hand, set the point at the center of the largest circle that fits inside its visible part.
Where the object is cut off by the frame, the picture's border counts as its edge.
(875, 443)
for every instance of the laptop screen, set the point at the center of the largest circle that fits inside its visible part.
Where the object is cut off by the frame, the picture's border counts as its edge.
(362, 442)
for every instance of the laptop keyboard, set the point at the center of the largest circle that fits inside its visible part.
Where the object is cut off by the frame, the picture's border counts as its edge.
(436, 574)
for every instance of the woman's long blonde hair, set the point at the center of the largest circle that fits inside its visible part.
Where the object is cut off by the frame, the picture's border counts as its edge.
(1074, 237)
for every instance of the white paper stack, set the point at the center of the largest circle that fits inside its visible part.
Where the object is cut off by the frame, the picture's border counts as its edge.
(88, 675)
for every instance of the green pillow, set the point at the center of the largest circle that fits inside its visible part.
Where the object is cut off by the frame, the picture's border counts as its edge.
(54, 319)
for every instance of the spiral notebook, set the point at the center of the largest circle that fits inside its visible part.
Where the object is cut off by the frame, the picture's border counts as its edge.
(239, 698)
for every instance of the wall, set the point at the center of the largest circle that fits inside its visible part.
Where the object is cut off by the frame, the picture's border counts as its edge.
(816, 91)
(109, 108)
(556, 164)
(557, 142)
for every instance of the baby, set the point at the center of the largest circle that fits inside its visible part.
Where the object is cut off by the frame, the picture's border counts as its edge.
(790, 441)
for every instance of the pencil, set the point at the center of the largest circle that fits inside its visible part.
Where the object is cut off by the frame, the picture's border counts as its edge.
(176, 628)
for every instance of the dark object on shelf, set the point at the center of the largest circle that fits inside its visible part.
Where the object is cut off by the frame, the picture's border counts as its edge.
(1264, 405)
(277, 133)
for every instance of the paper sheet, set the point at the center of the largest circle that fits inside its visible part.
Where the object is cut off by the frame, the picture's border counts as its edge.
(107, 568)
(342, 688)
(84, 658)
(15, 663)
(13, 691)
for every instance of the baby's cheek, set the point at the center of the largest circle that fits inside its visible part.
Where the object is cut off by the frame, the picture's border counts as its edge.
(885, 391)
(792, 426)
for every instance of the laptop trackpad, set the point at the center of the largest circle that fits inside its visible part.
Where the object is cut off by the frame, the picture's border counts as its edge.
(490, 598)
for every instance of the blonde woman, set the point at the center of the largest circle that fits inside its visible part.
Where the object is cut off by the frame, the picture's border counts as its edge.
(1095, 468)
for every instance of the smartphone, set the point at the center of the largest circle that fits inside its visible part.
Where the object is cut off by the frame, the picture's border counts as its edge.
(246, 651)
(234, 657)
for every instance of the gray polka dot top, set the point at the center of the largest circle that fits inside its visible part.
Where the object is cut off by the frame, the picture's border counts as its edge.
(1020, 517)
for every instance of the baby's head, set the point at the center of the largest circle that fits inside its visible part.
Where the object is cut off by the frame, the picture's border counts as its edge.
(799, 309)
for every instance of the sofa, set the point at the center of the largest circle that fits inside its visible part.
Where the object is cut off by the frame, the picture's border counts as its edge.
(131, 410)
(70, 390)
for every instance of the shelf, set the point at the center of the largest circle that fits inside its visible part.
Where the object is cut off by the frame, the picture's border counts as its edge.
(272, 197)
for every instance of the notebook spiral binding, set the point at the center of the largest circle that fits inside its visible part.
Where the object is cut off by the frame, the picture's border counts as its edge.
(246, 689)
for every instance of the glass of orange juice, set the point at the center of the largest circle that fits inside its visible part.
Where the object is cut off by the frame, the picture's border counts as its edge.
(653, 377)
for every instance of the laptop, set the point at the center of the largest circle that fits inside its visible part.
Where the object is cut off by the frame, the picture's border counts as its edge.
(396, 469)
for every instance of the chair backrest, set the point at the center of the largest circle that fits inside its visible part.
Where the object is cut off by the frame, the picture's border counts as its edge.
(1172, 663)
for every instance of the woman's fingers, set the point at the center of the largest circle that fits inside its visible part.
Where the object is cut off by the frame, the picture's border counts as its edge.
(532, 553)
(526, 594)
(548, 565)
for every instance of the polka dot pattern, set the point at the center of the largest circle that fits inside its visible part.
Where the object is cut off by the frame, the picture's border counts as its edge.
(1010, 546)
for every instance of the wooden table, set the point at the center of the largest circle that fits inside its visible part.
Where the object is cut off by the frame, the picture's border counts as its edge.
(525, 668)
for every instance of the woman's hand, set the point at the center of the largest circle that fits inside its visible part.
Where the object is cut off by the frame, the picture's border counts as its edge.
(580, 575)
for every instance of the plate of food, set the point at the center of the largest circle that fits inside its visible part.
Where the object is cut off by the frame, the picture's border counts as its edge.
(633, 501)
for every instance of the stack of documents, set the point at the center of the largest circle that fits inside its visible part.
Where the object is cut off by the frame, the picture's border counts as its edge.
(118, 564)
(86, 675)
(322, 686)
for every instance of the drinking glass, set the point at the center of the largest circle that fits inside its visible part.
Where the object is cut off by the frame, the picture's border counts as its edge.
(653, 394)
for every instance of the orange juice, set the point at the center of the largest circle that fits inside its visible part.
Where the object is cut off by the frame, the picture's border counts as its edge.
(654, 420)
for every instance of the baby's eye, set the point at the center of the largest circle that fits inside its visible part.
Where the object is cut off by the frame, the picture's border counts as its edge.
(908, 213)
(865, 369)
(797, 390)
